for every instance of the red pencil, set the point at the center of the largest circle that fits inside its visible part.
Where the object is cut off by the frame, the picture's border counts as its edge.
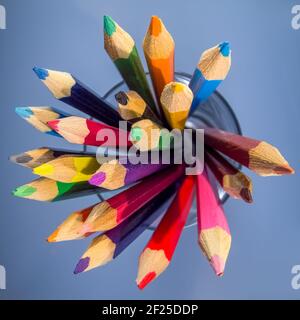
(87, 132)
(214, 234)
(159, 251)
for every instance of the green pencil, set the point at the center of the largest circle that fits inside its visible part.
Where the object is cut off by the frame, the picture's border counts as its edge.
(122, 50)
(44, 189)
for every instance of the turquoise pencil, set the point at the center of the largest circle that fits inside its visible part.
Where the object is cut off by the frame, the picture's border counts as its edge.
(38, 117)
(212, 69)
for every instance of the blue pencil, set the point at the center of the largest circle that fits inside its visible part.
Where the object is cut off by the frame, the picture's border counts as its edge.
(39, 116)
(211, 70)
(68, 89)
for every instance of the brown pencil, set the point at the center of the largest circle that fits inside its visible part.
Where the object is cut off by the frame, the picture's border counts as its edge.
(232, 180)
(132, 107)
(259, 156)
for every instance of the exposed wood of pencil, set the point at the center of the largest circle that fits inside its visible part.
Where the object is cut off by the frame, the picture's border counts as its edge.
(112, 243)
(69, 168)
(176, 100)
(133, 108)
(159, 251)
(38, 117)
(159, 50)
(232, 180)
(259, 156)
(113, 174)
(44, 189)
(87, 132)
(67, 88)
(122, 50)
(110, 213)
(147, 135)
(214, 234)
(34, 158)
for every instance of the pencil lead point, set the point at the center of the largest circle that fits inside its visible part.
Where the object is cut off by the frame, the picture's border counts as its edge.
(23, 112)
(218, 265)
(246, 195)
(41, 73)
(155, 26)
(146, 280)
(97, 179)
(52, 237)
(122, 98)
(24, 191)
(225, 48)
(109, 25)
(43, 170)
(136, 134)
(82, 265)
(53, 125)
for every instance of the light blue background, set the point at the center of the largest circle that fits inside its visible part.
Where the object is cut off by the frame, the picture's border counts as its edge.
(263, 89)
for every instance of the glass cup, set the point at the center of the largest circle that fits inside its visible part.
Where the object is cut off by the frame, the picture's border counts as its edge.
(215, 112)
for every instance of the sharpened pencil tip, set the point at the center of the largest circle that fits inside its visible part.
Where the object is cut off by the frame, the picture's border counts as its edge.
(122, 98)
(53, 125)
(41, 73)
(23, 112)
(246, 195)
(109, 25)
(136, 134)
(82, 265)
(155, 26)
(24, 191)
(218, 265)
(53, 236)
(225, 48)
(43, 170)
(97, 179)
(146, 280)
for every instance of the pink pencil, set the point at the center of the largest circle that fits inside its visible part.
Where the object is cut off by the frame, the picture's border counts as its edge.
(214, 234)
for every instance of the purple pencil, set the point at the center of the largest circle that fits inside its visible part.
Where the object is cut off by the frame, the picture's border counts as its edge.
(112, 243)
(113, 175)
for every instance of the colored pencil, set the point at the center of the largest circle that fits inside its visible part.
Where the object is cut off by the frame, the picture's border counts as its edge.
(259, 156)
(159, 251)
(159, 50)
(211, 70)
(110, 213)
(69, 168)
(87, 132)
(65, 87)
(69, 229)
(39, 116)
(232, 180)
(176, 100)
(114, 175)
(35, 158)
(147, 135)
(132, 107)
(44, 189)
(122, 50)
(112, 243)
(214, 234)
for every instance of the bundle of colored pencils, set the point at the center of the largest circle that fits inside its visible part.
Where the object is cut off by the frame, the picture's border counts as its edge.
(151, 187)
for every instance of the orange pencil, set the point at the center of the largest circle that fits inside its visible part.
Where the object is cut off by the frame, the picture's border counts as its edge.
(159, 49)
